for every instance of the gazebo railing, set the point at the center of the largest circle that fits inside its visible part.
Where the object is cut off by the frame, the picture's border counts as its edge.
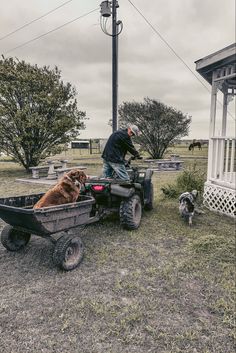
(221, 160)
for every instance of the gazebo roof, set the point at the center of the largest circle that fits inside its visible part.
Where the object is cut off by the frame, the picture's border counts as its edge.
(217, 60)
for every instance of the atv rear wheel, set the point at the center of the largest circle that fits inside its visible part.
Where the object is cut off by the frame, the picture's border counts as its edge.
(131, 212)
(68, 252)
(13, 239)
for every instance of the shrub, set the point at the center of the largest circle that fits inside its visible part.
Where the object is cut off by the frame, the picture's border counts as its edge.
(190, 179)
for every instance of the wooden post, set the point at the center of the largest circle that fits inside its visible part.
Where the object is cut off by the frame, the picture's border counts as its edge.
(211, 157)
(51, 171)
(232, 162)
(64, 163)
(224, 115)
(223, 134)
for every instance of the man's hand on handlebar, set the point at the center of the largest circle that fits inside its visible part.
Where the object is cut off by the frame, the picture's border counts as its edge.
(132, 158)
(135, 157)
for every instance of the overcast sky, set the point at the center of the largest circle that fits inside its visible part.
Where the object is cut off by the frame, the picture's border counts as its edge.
(147, 67)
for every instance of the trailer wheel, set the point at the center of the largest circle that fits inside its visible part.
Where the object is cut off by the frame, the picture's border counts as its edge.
(68, 252)
(131, 212)
(13, 239)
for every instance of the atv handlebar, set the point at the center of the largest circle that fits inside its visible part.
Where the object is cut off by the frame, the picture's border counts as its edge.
(132, 158)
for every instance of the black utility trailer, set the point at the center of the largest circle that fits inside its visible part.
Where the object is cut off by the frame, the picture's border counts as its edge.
(62, 221)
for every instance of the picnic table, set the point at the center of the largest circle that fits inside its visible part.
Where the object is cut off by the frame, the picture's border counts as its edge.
(53, 170)
(49, 169)
(174, 163)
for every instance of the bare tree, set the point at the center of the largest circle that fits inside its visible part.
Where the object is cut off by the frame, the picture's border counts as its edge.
(159, 124)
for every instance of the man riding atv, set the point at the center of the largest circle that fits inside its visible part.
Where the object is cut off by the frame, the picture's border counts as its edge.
(124, 189)
(118, 144)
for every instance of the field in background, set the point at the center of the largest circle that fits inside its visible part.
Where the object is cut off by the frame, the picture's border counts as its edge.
(183, 151)
(164, 288)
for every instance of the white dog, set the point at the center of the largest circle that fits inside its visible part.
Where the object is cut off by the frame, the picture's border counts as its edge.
(186, 205)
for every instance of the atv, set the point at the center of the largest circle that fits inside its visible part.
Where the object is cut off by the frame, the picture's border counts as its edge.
(127, 198)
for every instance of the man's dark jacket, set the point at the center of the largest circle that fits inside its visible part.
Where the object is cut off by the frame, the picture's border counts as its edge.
(118, 144)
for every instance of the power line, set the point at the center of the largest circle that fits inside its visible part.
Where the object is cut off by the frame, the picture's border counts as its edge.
(36, 19)
(169, 46)
(53, 30)
(175, 53)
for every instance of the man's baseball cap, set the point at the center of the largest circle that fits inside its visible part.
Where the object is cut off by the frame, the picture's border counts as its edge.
(135, 130)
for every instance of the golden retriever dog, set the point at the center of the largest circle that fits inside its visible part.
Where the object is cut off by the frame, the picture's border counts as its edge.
(66, 190)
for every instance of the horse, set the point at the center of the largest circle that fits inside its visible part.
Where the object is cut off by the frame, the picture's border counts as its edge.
(195, 144)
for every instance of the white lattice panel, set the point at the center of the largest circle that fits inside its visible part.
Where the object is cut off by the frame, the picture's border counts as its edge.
(220, 199)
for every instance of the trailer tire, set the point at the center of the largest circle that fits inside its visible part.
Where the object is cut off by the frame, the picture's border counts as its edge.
(131, 212)
(68, 252)
(13, 239)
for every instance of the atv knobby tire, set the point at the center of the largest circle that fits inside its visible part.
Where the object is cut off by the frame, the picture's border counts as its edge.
(13, 239)
(149, 205)
(131, 212)
(68, 252)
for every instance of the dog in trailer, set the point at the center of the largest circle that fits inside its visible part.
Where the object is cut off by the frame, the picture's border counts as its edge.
(186, 205)
(67, 190)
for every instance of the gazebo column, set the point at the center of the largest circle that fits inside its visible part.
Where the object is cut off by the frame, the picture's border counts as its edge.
(223, 133)
(224, 115)
(211, 159)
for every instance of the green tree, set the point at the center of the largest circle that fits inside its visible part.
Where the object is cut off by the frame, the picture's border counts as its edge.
(159, 124)
(38, 112)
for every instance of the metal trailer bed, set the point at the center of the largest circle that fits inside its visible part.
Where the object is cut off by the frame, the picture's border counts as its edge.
(64, 221)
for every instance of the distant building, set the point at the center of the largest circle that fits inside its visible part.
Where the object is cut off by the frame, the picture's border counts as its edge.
(80, 144)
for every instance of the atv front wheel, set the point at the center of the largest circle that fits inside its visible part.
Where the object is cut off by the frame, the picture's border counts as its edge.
(131, 212)
(13, 239)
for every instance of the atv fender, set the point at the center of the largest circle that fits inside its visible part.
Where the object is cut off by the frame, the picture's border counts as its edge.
(122, 191)
(149, 173)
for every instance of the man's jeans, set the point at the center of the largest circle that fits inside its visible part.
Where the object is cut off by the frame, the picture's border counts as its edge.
(119, 168)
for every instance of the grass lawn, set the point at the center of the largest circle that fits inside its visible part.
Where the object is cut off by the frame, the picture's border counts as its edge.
(164, 288)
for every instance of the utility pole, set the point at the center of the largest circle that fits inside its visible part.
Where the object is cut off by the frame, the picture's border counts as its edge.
(109, 8)
(114, 67)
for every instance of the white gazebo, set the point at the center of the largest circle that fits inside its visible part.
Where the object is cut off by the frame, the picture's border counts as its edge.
(219, 69)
